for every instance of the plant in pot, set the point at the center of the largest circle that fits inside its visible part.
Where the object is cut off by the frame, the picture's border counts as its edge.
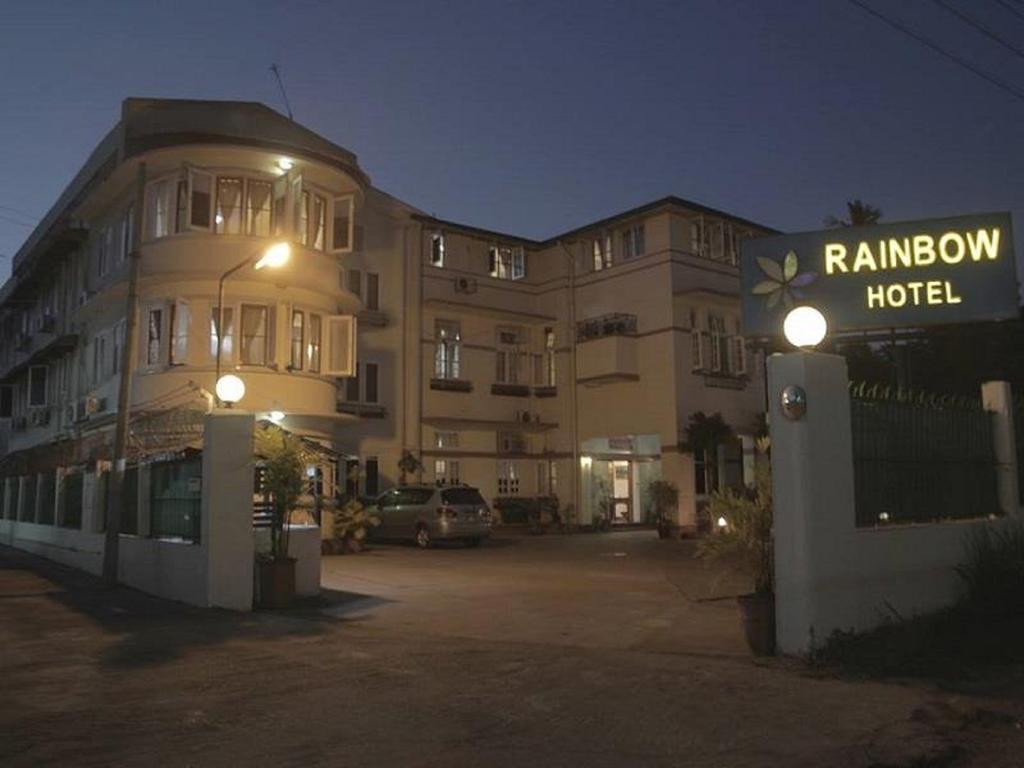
(352, 523)
(743, 535)
(284, 485)
(408, 464)
(665, 500)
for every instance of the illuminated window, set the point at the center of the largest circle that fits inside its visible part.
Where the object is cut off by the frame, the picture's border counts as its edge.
(602, 251)
(446, 439)
(507, 262)
(253, 348)
(228, 219)
(437, 247)
(229, 332)
(257, 208)
(298, 344)
(510, 356)
(446, 471)
(508, 478)
(313, 351)
(447, 350)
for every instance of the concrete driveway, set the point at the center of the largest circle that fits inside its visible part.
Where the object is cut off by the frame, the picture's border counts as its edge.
(616, 591)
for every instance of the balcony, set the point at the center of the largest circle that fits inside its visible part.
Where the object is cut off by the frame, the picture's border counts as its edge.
(606, 359)
(451, 385)
(510, 390)
(362, 410)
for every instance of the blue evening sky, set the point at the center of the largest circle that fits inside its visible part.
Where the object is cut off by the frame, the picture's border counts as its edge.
(536, 117)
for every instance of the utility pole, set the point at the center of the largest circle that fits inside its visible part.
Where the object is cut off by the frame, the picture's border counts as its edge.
(115, 485)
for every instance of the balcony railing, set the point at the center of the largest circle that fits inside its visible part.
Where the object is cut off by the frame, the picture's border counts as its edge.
(615, 324)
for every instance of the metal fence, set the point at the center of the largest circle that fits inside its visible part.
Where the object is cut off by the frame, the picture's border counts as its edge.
(1018, 429)
(175, 498)
(920, 458)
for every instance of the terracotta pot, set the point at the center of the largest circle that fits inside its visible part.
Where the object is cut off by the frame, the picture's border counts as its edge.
(758, 610)
(277, 583)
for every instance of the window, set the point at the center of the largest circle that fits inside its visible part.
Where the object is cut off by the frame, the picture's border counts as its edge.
(446, 439)
(547, 479)
(200, 197)
(6, 403)
(355, 282)
(298, 339)
(317, 220)
(280, 205)
(437, 247)
(446, 471)
(448, 339)
(370, 386)
(253, 349)
(705, 467)
(550, 372)
(339, 345)
(698, 233)
(341, 231)
(229, 332)
(104, 250)
(257, 208)
(300, 211)
(118, 346)
(37, 375)
(228, 218)
(181, 207)
(352, 387)
(602, 253)
(313, 350)
(179, 325)
(633, 242)
(512, 442)
(127, 232)
(372, 291)
(507, 262)
(160, 197)
(153, 334)
(99, 354)
(508, 478)
(510, 356)
(719, 342)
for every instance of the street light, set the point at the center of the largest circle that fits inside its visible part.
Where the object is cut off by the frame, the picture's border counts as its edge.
(275, 256)
(805, 327)
(230, 389)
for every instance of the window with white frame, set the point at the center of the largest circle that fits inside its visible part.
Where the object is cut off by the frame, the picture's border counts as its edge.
(446, 439)
(253, 341)
(154, 333)
(508, 478)
(316, 218)
(437, 248)
(719, 343)
(547, 478)
(550, 371)
(179, 324)
(298, 340)
(37, 389)
(633, 241)
(602, 252)
(257, 207)
(341, 231)
(507, 262)
(447, 349)
(446, 471)
(160, 207)
(719, 348)
(372, 298)
(510, 356)
(227, 349)
(313, 346)
(228, 218)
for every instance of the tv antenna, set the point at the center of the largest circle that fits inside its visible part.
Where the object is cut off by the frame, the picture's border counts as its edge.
(284, 94)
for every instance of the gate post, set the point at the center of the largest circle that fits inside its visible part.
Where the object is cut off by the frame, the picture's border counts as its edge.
(226, 511)
(997, 399)
(812, 492)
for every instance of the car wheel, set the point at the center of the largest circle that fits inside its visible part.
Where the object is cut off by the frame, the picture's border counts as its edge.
(473, 541)
(423, 540)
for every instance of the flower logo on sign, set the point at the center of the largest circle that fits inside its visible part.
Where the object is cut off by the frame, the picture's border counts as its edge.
(784, 281)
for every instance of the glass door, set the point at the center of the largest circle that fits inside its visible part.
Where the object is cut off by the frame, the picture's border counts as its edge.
(621, 485)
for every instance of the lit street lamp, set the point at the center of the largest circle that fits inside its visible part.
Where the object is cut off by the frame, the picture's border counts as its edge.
(275, 256)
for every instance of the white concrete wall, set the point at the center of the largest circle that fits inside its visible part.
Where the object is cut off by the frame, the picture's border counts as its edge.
(829, 574)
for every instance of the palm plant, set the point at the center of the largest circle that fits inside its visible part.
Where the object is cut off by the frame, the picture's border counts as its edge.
(858, 214)
(352, 522)
(284, 483)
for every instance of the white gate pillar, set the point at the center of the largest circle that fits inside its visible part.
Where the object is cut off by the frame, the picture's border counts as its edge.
(227, 508)
(812, 491)
(997, 398)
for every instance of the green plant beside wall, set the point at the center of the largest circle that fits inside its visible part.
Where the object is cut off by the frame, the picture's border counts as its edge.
(665, 500)
(408, 465)
(352, 523)
(284, 479)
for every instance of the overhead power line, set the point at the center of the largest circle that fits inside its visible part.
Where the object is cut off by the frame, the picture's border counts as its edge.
(999, 83)
(980, 27)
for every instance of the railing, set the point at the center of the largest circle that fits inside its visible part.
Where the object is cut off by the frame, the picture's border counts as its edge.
(615, 324)
(920, 457)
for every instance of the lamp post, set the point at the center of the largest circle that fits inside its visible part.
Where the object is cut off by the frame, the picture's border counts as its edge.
(274, 257)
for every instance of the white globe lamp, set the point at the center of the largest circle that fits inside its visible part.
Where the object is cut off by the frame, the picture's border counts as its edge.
(805, 327)
(230, 389)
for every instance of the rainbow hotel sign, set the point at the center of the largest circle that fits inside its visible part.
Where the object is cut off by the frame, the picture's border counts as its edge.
(903, 275)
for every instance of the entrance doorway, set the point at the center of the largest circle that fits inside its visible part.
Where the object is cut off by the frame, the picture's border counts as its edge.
(621, 484)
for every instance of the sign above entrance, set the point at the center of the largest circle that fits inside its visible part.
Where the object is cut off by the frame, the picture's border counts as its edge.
(904, 275)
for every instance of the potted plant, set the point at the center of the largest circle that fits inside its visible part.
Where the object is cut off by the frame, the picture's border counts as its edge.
(352, 522)
(408, 465)
(284, 485)
(665, 499)
(743, 533)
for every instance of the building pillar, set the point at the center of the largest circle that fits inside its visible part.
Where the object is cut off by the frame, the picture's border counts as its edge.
(226, 517)
(677, 468)
(997, 399)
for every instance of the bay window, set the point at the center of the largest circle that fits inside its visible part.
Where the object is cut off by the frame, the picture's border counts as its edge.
(229, 332)
(154, 332)
(257, 207)
(160, 201)
(313, 352)
(200, 196)
(341, 230)
(179, 325)
(228, 218)
(298, 339)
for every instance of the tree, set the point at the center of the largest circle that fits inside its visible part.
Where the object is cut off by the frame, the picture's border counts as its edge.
(858, 214)
(284, 482)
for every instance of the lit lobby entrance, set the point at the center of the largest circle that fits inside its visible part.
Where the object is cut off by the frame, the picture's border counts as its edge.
(617, 473)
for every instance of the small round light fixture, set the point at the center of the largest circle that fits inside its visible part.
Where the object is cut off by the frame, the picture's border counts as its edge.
(276, 416)
(793, 401)
(805, 327)
(230, 389)
(285, 164)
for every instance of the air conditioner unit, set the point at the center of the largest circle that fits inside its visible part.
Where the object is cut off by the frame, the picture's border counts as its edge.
(95, 405)
(465, 285)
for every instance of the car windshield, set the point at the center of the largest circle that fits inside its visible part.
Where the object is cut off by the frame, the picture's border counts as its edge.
(462, 496)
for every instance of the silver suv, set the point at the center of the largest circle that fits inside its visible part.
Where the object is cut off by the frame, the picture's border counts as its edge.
(426, 513)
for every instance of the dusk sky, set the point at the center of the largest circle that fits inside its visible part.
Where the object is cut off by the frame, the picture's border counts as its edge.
(537, 117)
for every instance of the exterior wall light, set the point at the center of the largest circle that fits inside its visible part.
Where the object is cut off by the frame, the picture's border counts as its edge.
(276, 416)
(805, 327)
(585, 462)
(723, 523)
(285, 164)
(230, 389)
(275, 256)
(793, 401)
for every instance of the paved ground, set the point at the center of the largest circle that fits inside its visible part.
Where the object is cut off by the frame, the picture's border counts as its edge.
(576, 651)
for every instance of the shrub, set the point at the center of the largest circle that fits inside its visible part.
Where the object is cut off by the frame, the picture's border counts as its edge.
(993, 571)
(352, 523)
